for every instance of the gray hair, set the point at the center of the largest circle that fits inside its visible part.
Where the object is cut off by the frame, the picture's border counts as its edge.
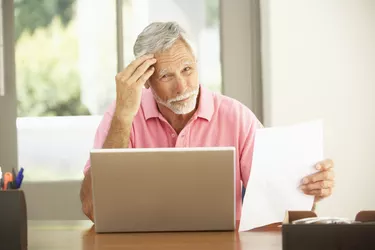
(158, 37)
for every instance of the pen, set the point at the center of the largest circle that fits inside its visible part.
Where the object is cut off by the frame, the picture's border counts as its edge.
(8, 177)
(19, 178)
(14, 175)
(1, 179)
(19, 182)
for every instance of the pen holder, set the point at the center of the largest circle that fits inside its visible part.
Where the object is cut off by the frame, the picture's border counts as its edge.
(13, 220)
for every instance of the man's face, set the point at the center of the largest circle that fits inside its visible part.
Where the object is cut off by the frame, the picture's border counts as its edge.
(175, 81)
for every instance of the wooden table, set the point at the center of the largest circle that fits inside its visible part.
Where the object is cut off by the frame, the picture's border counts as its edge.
(74, 235)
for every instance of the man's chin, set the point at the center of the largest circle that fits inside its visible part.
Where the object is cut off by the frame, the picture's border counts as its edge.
(185, 109)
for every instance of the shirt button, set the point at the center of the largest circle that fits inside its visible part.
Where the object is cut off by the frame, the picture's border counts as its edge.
(182, 135)
(173, 135)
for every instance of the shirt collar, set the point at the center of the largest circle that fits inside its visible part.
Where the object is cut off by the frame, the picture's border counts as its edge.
(206, 104)
(149, 107)
(205, 108)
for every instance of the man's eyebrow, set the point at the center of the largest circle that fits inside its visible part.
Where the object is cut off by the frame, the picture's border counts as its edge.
(165, 70)
(162, 72)
(187, 63)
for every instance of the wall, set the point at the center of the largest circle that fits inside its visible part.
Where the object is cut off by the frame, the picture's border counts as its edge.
(8, 112)
(319, 62)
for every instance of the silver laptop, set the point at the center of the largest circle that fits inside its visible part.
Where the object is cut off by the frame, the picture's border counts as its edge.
(164, 189)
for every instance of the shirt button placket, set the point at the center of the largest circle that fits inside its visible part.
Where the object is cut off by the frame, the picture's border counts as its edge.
(184, 137)
(174, 140)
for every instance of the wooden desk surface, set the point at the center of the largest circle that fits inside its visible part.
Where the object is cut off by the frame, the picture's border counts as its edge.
(76, 235)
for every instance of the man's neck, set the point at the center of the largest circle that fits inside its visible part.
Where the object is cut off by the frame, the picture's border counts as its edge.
(178, 122)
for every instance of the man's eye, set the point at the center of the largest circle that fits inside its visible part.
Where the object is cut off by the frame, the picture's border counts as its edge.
(187, 69)
(166, 77)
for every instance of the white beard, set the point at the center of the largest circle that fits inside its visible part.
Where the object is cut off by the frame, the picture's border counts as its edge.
(183, 107)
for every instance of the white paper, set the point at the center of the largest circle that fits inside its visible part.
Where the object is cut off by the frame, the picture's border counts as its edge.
(282, 157)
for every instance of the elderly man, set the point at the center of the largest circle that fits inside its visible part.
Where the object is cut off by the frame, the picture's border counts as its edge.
(174, 110)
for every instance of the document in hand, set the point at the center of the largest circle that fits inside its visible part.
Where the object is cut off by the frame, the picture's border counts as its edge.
(282, 157)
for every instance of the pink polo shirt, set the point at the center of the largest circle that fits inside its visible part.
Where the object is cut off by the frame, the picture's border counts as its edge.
(219, 121)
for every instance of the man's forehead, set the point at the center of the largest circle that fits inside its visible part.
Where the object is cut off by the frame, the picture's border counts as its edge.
(176, 56)
(164, 66)
(174, 63)
(179, 47)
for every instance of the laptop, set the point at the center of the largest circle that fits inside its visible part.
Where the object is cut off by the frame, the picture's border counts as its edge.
(164, 189)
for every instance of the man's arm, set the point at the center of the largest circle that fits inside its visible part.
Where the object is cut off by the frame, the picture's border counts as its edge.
(86, 196)
(129, 84)
(119, 133)
(118, 137)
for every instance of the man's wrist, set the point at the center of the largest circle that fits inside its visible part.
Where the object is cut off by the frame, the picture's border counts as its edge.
(313, 209)
(122, 116)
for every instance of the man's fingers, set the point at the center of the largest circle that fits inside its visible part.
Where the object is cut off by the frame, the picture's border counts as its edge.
(320, 184)
(325, 165)
(142, 80)
(319, 176)
(129, 70)
(317, 185)
(141, 70)
(320, 192)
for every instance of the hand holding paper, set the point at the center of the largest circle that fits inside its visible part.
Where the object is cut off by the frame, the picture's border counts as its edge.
(320, 184)
(282, 157)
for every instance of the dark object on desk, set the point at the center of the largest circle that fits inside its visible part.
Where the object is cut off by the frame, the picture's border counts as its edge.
(13, 220)
(358, 236)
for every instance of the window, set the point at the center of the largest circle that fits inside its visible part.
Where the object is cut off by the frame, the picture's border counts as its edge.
(66, 60)
(65, 67)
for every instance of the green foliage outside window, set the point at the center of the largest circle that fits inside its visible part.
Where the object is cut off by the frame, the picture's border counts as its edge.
(47, 74)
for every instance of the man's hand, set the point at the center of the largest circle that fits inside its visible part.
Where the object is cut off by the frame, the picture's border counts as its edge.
(129, 85)
(321, 183)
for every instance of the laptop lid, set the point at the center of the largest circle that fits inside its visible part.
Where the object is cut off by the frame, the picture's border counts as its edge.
(164, 189)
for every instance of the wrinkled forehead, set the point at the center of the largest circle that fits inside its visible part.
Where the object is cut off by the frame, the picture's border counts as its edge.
(175, 58)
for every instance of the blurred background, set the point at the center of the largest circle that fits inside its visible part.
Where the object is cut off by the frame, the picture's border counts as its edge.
(289, 61)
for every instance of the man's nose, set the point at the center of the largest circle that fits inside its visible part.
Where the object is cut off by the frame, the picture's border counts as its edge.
(180, 85)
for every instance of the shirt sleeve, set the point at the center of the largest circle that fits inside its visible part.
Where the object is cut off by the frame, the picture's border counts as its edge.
(251, 124)
(102, 132)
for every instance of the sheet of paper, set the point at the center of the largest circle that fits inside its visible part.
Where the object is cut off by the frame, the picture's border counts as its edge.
(282, 157)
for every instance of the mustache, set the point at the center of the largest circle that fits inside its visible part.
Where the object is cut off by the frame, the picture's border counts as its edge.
(184, 96)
